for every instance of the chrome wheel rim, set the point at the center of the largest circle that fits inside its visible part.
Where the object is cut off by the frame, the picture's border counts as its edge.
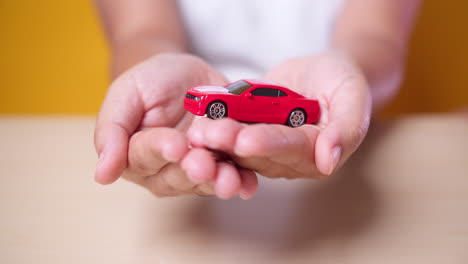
(297, 118)
(217, 110)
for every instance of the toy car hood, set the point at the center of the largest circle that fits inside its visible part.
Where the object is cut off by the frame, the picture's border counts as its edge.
(209, 89)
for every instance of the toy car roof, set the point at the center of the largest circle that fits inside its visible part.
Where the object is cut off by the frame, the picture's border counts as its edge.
(260, 82)
(256, 82)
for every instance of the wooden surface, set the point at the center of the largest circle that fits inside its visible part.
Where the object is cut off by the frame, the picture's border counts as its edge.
(403, 198)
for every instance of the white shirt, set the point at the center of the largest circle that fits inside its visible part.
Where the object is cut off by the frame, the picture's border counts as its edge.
(245, 38)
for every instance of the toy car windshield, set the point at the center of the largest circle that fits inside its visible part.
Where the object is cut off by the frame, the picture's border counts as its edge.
(238, 87)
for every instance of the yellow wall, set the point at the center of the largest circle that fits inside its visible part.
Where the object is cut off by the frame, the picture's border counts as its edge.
(437, 73)
(53, 58)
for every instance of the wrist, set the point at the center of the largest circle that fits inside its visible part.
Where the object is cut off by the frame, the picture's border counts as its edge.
(382, 69)
(125, 54)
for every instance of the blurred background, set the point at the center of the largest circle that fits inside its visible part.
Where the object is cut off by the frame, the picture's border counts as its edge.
(54, 59)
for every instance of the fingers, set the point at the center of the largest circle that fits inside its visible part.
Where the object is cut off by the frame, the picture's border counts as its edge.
(172, 180)
(249, 183)
(215, 134)
(150, 150)
(280, 143)
(118, 118)
(199, 165)
(277, 150)
(112, 153)
(226, 180)
(276, 141)
(348, 122)
(260, 147)
(161, 160)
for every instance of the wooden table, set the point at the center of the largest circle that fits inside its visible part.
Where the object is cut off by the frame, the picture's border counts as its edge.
(403, 198)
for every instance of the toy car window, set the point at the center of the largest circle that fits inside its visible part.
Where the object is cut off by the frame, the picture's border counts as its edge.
(238, 87)
(281, 93)
(265, 92)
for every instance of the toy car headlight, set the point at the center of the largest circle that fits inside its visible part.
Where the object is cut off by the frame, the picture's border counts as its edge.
(193, 97)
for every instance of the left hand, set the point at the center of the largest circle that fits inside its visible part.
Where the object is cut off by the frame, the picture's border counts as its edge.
(308, 151)
(141, 132)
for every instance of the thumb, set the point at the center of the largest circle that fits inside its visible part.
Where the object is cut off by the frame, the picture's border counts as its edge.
(118, 118)
(348, 121)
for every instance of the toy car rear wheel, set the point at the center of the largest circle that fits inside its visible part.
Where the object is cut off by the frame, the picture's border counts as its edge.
(216, 110)
(297, 118)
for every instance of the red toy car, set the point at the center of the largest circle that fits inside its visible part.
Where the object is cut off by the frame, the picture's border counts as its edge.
(253, 101)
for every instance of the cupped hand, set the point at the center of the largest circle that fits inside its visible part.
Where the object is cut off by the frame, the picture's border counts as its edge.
(140, 132)
(309, 151)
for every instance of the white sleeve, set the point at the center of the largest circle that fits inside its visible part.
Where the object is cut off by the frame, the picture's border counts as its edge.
(244, 38)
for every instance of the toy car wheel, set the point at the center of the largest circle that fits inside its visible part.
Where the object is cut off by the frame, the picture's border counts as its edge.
(297, 118)
(216, 110)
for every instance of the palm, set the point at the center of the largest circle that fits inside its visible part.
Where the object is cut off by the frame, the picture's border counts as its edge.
(161, 84)
(329, 78)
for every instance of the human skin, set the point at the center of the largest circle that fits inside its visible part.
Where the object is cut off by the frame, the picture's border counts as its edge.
(144, 134)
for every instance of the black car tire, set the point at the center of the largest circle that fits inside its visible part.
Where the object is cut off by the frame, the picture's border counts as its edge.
(216, 110)
(297, 118)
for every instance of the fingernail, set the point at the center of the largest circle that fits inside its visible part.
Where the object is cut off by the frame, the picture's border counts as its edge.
(221, 194)
(168, 154)
(240, 147)
(244, 196)
(335, 156)
(101, 158)
(169, 158)
(196, 137)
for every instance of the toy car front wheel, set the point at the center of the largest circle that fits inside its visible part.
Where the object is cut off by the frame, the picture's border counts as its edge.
(297, 118)
(216, 110)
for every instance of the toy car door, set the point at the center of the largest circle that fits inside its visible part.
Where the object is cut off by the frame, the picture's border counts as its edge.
(260, 105)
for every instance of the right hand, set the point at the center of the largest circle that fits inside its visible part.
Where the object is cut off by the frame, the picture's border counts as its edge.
(141, 132)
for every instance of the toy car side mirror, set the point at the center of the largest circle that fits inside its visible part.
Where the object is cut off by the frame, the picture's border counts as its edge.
(249, 95)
